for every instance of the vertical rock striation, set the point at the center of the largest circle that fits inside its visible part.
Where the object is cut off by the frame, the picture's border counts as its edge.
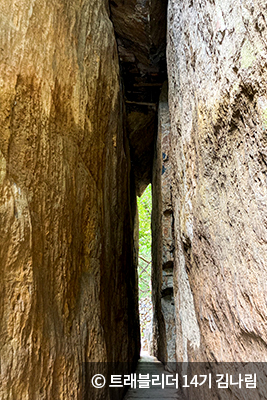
(68, 286)
(163, 241)
(217, 65)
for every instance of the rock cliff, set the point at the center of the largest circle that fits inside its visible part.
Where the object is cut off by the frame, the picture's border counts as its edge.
(68, 285)
(217, 96)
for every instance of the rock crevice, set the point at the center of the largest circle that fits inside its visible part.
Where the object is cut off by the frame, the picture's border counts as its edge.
(140, 28)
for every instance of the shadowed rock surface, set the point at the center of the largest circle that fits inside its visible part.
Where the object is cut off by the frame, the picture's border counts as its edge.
(164, 340)
(140, 28)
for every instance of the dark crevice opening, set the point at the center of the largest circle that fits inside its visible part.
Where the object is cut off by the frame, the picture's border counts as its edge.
(140, 29)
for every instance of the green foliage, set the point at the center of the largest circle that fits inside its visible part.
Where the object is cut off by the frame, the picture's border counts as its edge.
(144, 267)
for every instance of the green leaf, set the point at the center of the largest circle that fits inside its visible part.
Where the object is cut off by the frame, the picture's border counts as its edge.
(144, 204)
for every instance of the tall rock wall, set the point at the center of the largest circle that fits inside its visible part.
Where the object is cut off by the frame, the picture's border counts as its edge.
(164, 329)
(217, 68)
(68, 287)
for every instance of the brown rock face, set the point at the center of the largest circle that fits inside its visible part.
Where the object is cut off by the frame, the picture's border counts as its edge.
(140, 27)
(217, 86)
(68, 284)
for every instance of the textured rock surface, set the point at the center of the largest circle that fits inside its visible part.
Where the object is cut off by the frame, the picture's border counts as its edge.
(163, 241)
(217, 65)
(68, 289)
(167, 300)
(140, 28)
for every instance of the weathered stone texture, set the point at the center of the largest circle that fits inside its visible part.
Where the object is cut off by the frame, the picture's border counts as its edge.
(68, 291)
(140, 27)
(167, 300)
(164, 340)
(217, 65)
